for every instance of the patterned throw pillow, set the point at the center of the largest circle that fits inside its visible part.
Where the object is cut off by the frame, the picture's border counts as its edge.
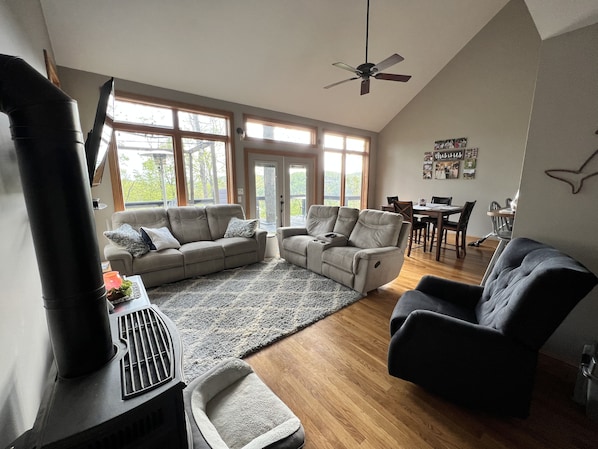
(240, 228)
(128, 238)
(161, 238)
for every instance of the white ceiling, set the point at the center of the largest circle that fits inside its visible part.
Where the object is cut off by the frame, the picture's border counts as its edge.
(276, 54)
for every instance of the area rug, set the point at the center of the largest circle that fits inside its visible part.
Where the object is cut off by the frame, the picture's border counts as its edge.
(237, 312)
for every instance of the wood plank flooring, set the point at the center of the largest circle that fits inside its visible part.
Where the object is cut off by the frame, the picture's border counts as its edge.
(333, 376)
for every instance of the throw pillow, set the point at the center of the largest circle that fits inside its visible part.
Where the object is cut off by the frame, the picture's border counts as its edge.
(240, 228)
(128, 238)
(147, 239)
(162, 238)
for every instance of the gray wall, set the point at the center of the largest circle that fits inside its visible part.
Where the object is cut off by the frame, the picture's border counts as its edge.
(23, 332)
(562, 136)
(485, 93)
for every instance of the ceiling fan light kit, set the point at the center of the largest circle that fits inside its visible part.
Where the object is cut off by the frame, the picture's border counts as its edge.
(368, 70)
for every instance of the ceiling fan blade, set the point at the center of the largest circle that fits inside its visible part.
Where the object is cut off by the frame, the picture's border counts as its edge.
(391, 60)
(392, 77)
(365, 86)
(340, 82)
(342, 65)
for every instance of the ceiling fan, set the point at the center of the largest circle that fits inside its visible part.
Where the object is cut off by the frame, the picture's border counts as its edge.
(367, 70)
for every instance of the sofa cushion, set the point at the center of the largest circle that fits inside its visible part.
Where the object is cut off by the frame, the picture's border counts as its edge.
(233, 246)
(201, 251)
(158, 260)
(161, 238)
(128, 238)
(376, 229)
(241, 228)
(152, 218)
(189, 223)
(321, 219)
(219, 216)
(297, 244)
(345, 221)
(340, 257)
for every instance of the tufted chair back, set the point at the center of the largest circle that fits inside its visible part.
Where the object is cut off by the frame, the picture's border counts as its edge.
(530, 291)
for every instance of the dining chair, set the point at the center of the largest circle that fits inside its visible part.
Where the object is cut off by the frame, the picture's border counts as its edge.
(458, 227)
(502, 227)
(405, 208)
(446, 200)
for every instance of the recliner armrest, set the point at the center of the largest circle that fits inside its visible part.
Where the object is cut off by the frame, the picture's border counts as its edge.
(289, 231)
(466, 295)
(427, 333)
(120, 259)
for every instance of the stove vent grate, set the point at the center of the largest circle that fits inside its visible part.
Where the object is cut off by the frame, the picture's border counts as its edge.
(149, 360)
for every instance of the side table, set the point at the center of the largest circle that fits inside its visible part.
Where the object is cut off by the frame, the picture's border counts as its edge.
(139, 301)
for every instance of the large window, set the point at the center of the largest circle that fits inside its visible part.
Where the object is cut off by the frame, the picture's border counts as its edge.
(170, 155)
(345, 169)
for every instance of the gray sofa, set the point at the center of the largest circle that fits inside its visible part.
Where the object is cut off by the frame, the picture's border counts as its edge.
(360, 249)
(203, 247)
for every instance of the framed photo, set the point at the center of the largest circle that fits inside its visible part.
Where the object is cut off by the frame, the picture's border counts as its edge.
(447, 170)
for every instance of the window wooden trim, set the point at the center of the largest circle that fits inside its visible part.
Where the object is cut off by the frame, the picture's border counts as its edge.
(177, 136)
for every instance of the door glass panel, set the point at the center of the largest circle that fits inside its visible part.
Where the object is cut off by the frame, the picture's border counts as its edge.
(205, 171)
(353, 176)
(146, 164)
(266, 198)
(332, 178)
(298, 194)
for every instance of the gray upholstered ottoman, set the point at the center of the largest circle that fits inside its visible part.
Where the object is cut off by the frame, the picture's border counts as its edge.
(229, 407)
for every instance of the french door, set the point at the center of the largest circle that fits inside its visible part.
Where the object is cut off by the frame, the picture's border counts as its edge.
(281, 188)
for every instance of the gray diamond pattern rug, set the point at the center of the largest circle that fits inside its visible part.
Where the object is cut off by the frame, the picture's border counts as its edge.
(236, 312)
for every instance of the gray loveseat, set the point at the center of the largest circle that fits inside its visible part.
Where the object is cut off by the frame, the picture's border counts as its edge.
(200, 231)
(360, 249)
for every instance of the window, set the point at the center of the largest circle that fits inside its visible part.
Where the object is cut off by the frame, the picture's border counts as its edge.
(170, 155)
(345, 162)
(256, 128)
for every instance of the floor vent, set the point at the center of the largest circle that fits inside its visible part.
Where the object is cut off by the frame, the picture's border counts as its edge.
(149, 361)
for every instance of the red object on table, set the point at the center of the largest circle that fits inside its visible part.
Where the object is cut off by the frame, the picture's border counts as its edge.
(112, 280)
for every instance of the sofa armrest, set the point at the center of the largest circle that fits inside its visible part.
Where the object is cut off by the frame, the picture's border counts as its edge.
(466, 295)
(120, 259)
(374, 267)
(289, 231)
(260, 236)
(403, 240)
(373, 253)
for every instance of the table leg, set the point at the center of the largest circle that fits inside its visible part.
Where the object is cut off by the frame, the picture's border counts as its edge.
(439, 230)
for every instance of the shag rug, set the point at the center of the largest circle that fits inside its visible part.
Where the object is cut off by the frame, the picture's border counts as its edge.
(236, 312)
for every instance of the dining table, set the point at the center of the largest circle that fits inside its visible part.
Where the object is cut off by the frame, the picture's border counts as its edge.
(439, 212)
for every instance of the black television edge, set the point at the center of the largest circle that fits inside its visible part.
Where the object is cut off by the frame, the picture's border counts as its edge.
(98, 139)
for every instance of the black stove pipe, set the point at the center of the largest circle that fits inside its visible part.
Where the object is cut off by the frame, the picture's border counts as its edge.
(51, 157)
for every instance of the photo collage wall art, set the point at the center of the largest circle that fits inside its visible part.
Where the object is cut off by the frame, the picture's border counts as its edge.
(445, 161)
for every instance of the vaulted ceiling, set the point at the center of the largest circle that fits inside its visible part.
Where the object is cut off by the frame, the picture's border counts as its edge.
(278, 54)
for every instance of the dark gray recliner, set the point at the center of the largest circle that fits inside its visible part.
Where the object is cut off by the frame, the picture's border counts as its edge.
(478, 345)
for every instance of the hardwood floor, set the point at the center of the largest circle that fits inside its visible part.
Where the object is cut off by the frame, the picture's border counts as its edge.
(333, 376)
